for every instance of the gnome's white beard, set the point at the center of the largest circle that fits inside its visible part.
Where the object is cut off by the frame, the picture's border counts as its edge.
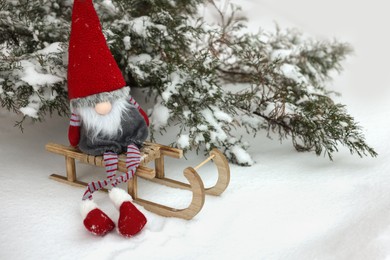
(105, 125)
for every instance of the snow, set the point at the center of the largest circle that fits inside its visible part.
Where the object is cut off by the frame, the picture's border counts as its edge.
(141, 58)
(184, 141)
(220, 115)
(218, 133)
(33, 106)
(281, 54)
(35, 102)
(288, 205)
(187, 114)
(160, 116)
(241, 156)
(175, 81)
(292, 72)
(51, 48)
(141, 25)
(109, 6)
(202, 127)
(35, 78)
(127, 42)
(30, 111)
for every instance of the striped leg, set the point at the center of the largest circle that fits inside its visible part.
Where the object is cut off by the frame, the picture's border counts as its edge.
(133, 102)
(94, 186)
(111, 164)
(133, 159)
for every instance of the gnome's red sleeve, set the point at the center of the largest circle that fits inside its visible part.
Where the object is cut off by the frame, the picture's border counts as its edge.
(142, 112)
(74, 130)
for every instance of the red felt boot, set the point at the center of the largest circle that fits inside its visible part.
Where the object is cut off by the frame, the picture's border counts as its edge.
(131, 220)
(95, 220)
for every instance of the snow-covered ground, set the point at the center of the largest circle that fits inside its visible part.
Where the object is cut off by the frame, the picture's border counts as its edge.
(288, 205)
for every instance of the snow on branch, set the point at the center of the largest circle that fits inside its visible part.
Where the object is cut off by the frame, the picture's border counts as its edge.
(205, 81)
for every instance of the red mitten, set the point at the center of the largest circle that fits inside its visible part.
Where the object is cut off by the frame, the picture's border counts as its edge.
(74, 130)
(95, 220)
(74, 135)
(131, 220)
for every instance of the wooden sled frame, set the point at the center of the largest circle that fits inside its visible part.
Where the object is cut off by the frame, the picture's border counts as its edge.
(152, 152)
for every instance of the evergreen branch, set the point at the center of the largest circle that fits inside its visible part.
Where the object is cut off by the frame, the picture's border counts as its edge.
(188, 68)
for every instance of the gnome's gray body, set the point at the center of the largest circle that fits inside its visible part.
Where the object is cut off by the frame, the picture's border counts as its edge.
(134, 131)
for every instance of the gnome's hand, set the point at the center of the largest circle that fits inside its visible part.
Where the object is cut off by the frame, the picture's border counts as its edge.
(74, 130)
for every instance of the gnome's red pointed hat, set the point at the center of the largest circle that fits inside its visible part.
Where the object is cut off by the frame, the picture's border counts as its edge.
(93, 73)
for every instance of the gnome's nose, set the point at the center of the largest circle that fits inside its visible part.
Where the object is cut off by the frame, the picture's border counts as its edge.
(103, 108)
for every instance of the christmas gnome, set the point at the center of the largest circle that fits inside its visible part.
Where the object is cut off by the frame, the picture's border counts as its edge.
(105, 120)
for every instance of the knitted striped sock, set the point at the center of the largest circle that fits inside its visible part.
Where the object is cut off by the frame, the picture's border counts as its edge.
(94, 186)
(134, 103)
(133, 159)
(75, 120)
(111, 165)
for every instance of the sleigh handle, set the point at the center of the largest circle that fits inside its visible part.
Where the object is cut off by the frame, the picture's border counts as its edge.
(223, 172)
(204, 162)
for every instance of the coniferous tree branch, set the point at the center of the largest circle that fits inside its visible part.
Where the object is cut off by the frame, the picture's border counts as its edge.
(208, 80)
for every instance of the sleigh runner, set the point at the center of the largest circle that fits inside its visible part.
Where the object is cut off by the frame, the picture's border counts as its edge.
(152, 152)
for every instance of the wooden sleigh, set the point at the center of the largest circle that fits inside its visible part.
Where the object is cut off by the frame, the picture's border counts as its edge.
(152, 152)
